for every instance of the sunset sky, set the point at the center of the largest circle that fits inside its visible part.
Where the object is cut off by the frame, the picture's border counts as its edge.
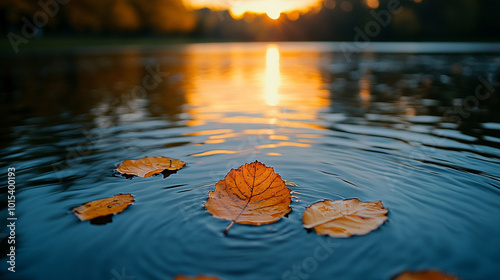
(272, 8)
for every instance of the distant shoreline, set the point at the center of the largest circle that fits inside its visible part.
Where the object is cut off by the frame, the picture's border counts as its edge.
(101, 43)
(72, 42)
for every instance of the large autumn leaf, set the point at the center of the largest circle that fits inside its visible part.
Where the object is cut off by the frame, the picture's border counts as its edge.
(252, 194)
(424, 275)
(103, 207)
(343, 218)
(149, 166)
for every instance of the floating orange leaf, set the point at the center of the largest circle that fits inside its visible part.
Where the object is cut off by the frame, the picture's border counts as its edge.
(149, 166)
(181, 277)
(343, 218)
(103, 207)
(424, 275)
(252, 194)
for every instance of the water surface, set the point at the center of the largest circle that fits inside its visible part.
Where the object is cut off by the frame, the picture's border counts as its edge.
(415, 125)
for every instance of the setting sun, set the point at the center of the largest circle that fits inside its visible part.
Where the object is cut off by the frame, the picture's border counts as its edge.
(273, 11)
(273, 8)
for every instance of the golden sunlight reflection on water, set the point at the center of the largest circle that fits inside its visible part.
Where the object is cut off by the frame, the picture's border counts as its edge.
(272, 76)
(263, 90)
(252, 83)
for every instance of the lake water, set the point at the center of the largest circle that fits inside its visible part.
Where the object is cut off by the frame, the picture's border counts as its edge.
(416, 126)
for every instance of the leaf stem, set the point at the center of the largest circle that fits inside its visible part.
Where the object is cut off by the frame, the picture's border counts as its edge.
(228, 227)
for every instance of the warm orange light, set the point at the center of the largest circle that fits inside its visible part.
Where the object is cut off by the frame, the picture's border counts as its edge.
(365, 89)
(258, 87)
(237, 13)
(272, 76)
(273, 13)
(373, 4)
(293, 15)
(273, 8)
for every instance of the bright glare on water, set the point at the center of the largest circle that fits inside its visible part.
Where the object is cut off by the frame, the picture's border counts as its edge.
(416, 126)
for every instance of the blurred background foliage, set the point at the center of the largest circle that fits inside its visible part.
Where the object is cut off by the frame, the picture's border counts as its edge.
(330, 20)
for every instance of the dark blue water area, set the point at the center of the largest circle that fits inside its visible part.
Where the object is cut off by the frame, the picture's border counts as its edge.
(417, 129)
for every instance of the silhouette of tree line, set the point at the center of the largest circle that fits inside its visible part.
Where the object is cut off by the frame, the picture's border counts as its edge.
(345, 20)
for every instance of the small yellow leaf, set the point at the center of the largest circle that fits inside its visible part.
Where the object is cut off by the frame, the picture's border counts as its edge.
(103, 207)
(344, 218)
(424, 275)
(149, 166)
(252, 194)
